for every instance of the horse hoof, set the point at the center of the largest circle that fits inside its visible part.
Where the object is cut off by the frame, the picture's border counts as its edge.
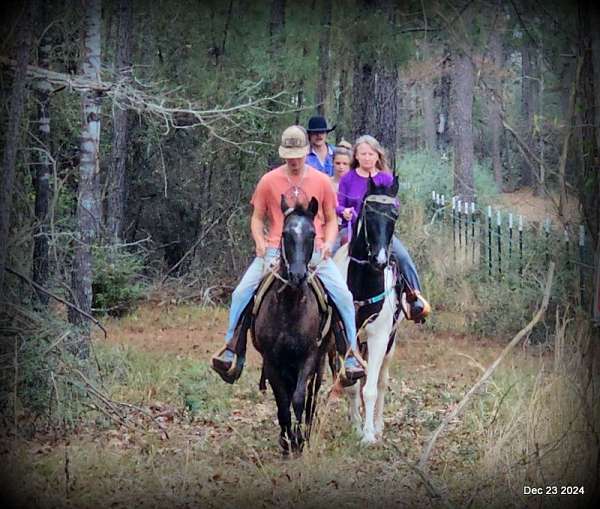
(368, 439)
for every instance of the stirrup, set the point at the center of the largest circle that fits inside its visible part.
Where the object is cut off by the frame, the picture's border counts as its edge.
(405, 304)
(228, 375)
(346, 380)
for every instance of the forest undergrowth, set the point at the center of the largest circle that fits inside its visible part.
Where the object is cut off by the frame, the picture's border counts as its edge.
(147, 423)
(158, 428)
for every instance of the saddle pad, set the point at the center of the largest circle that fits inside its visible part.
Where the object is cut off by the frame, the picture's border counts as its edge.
(262, 289)
(317, 288)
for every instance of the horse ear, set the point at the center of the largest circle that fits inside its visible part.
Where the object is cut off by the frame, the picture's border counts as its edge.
(395, 186)
(313, 206)
(284, 205)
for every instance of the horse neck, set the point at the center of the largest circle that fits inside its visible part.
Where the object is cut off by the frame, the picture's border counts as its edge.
(288, 297)
(363, 280)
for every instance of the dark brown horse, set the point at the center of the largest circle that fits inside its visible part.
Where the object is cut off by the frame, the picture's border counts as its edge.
(286, 330)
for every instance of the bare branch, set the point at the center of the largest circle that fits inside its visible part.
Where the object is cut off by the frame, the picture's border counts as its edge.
(56, 297)
(513, 342)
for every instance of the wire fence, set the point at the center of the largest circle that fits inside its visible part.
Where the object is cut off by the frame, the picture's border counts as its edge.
(510, 248)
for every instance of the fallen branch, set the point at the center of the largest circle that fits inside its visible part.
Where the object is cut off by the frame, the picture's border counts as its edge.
(514, 341)
(59, 299)
(432, 490)
(113, 404)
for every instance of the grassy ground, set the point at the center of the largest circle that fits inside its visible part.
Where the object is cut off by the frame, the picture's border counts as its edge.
(209, 444)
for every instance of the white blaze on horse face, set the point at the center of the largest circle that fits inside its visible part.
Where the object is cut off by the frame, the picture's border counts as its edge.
(297, 229)
(381, 256)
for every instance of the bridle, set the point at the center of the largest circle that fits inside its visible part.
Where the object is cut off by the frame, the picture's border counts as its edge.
(362, 222)
(286, 264)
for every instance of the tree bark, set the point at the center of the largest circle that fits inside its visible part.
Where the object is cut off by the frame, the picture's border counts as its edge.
(88, 199)
(342, 130)
(462, 114)
(588, 182)
(43, 166)
(362, 93)
(386, 110)
(17, 105)
(375, 90)
(495, 104)
(324, 41)
(595, 42)
(428, 116)
(529, 99)
(427, 97)
(115, 206)
(443, 125)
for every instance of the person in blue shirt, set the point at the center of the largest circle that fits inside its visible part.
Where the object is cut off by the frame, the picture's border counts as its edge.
(321, 152)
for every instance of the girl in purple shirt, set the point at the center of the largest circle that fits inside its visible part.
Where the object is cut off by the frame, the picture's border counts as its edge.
(369, 160)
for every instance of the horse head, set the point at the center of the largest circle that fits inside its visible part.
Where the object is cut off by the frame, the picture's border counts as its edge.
(297, 240)
(378, 219)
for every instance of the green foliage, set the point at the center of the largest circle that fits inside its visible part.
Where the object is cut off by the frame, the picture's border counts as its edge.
(115, 286)
(201, 395)
(424, 172)
(38, 384)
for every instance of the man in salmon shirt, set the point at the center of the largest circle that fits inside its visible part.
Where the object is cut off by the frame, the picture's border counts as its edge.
(294, 179)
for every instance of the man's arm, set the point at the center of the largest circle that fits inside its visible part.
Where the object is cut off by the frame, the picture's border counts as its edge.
(257, 227)
(331, 229)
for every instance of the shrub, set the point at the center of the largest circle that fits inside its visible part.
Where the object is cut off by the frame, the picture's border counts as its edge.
(116, 284)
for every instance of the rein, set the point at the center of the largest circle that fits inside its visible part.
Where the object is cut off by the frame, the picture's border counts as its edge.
(386, 200)
(374, 198)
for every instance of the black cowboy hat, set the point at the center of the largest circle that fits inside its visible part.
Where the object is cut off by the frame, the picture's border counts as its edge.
(318, 125)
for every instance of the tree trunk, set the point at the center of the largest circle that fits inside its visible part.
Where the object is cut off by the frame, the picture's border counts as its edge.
(115, 206)
(428, 109)
(462, 114)
(17, 104)
(495, 104)
(88, 199)
(362, 92)
(43, 166)
(428, 116)
(324, 39)
(589, 176)
(375, 90)
(529, 98)
(386, 110)
(443, 126)
(342, 130)
(595, 35)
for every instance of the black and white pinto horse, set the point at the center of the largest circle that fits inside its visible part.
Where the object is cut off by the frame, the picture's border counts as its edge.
(286, 330)
(371, 279)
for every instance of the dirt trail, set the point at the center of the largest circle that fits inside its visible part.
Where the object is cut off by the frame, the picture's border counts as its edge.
(220, 442)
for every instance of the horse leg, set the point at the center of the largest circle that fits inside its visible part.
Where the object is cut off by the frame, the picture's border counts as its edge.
(377, 348)
(284, 416)
(262, 384)
(382, 386)
(299, 396)
(311, 400)
(353, 397)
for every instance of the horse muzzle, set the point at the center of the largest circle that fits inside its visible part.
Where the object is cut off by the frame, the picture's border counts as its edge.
(379, 259)
(297, 276)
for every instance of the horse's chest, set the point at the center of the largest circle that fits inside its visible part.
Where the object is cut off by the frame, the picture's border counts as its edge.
(291, 323)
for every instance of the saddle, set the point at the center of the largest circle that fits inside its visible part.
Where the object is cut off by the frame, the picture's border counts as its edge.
(325, 308)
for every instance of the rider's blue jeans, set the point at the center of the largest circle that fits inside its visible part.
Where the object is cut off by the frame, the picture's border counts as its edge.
(329, 275)
(405, 264)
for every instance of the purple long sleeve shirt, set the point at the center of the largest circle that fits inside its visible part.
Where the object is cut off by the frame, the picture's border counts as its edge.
(352, 190)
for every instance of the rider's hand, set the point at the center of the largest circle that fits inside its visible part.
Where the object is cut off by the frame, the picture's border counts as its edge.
(347, 213)
(326, 251)
(261, 248)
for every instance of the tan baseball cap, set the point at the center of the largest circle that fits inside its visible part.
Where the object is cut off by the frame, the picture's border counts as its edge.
(294, 142)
